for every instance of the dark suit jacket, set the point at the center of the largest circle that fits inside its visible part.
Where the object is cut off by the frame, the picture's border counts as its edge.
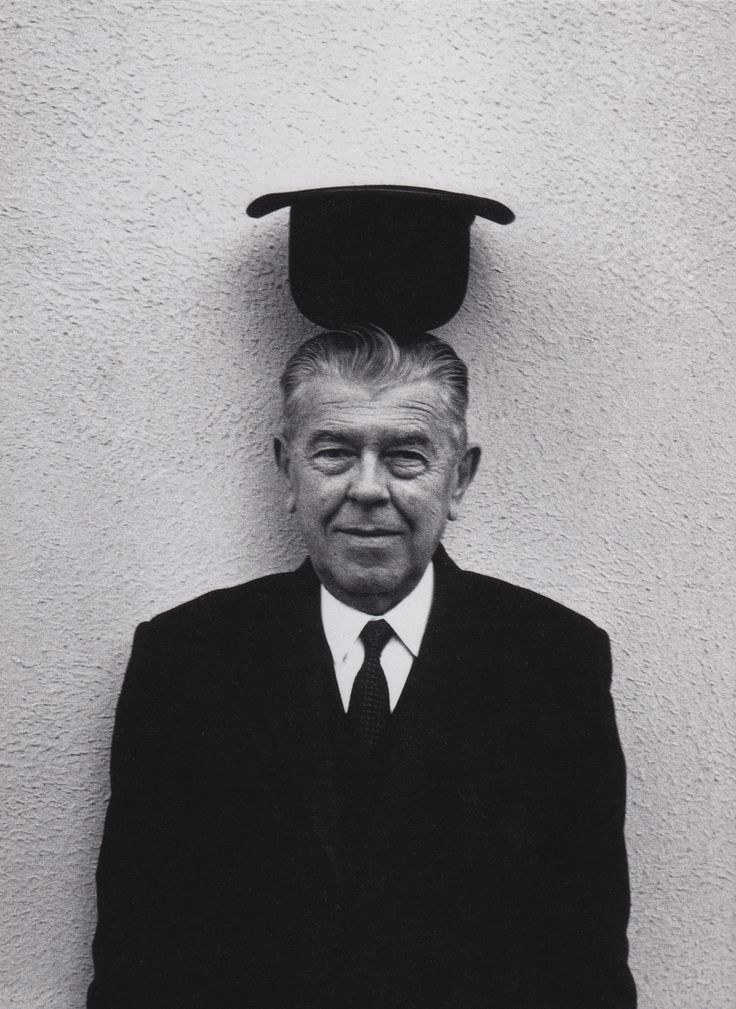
(488, 869)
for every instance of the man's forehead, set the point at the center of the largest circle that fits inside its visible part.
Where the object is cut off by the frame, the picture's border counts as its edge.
(348, 408)
(327, 394)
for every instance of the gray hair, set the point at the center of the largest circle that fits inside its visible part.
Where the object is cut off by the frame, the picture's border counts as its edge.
(369, 354)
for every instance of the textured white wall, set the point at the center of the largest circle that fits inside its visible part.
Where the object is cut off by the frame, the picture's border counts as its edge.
(146, 319)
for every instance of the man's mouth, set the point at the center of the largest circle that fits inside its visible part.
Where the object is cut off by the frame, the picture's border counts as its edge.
(368, 532)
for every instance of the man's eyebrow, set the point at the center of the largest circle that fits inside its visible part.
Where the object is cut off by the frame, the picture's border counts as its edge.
(328, 434)
(419, 438)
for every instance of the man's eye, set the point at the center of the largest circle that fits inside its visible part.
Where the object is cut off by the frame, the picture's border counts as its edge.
(332, 460)
(407, 463)
(332, 453)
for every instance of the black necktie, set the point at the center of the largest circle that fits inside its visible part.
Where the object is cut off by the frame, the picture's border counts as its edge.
(369, 707)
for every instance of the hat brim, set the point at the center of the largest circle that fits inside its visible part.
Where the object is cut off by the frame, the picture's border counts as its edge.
(477, 206)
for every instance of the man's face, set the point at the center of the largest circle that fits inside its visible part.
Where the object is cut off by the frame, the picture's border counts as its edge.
(373, 477)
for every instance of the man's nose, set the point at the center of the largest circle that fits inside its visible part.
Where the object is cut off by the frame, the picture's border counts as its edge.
(368, 484)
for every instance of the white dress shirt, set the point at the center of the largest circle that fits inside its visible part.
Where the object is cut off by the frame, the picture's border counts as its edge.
(408, 620)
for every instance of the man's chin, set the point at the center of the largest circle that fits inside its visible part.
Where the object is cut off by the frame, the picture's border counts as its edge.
(369, 580)
(370, 589)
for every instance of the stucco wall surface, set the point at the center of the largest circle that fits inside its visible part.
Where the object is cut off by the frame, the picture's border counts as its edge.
(146, 318)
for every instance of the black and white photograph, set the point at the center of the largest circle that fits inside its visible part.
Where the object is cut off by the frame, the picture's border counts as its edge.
(368, 461)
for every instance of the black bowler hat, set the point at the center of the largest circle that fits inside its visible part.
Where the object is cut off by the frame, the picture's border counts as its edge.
(394, 256)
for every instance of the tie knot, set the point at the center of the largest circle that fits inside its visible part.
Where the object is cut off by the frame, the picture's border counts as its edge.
(375, 636)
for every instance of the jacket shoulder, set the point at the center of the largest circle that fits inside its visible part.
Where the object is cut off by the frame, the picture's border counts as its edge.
(540, 643)
(517, 604)
(211, 638)
(251, 603)
(241, 617)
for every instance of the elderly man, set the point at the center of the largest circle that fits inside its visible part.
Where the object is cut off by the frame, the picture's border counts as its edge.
(377, 782)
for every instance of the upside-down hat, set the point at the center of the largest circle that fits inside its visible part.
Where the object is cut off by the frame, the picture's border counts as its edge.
(394, 256)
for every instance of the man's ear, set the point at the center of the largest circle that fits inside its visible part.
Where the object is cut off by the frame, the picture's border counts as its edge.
(466, 470)
(283, 462)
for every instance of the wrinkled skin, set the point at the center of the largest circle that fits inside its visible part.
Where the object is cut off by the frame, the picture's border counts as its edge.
(373, 475)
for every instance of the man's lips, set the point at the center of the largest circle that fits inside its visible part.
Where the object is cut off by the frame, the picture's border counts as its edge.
(368, 532)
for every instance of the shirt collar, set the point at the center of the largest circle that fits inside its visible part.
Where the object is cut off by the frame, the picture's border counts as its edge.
(408, 619)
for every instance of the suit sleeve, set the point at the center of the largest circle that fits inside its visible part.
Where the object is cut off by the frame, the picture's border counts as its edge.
(584, 908)
(137, 895)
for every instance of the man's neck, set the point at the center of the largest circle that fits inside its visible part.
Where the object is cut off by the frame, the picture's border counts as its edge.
(375, 605)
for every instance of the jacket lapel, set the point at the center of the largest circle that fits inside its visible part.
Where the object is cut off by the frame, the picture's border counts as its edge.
(300, 702)
(445, 678)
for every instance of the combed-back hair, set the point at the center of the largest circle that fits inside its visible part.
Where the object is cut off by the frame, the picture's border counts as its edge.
(369, 354)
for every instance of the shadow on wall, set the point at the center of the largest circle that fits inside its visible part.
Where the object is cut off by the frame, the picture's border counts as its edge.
(268, 328)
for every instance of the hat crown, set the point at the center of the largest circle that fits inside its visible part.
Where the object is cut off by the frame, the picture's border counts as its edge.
(394, 256)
